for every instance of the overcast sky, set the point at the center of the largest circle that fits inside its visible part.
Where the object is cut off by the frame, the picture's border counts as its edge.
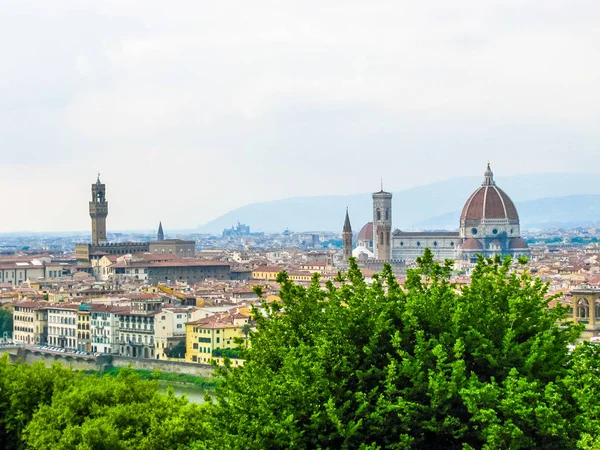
(190, 109)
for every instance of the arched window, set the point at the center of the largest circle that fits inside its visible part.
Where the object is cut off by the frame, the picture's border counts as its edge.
(381, 238)
(387, 214)
(378, 214)
(597, 310)
(583, 309)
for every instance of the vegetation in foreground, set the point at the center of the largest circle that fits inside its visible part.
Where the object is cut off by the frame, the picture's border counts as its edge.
(200, 382)
(430, 365)
(6, 323)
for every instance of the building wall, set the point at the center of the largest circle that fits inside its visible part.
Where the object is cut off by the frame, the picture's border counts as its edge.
(173, 247)
(30, 325)
(159, 274)
(62, 328)
(136, 335)
(409, 247)
(169, 330)
(19, 275)
(200, 342)
(84, 337)
(104, 332)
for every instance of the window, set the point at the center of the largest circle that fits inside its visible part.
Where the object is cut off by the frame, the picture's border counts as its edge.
(401, 244)
(179, 325)
(435, 243)
(387, 214)
(474, 230)
(583, 309)
(378, 214)
(418, 244)
(495, 231)
(218, 340)
(381, 238)
(195, 346)
(451, 244)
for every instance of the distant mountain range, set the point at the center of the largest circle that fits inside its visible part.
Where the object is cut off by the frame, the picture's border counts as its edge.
(543, 200)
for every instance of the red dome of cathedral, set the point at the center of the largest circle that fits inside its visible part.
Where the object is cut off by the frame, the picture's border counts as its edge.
(489, 202)
(471, 244)
(366, 232)
(517, 243)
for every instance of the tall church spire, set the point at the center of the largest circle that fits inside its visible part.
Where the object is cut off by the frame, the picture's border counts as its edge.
(347, 226)
(161, 235)
(347, 237)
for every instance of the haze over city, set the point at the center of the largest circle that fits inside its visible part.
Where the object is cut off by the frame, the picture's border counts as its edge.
(191, 111)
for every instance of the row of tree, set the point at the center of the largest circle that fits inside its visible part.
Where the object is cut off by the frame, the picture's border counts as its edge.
(352, 366)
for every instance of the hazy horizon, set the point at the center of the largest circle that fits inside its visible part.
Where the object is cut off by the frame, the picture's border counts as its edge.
(192, 109)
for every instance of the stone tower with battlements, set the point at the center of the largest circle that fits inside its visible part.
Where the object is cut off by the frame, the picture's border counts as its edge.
(347, 237)
(98, 212)
(382, 225)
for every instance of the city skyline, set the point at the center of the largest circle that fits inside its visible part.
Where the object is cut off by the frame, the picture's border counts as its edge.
(209, 107)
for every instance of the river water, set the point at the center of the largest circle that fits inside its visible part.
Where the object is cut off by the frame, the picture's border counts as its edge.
(194, 393)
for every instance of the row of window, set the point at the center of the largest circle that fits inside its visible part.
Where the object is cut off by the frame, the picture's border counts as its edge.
(23, 319)
(495, 231)
(202, 349)
(61, 331)
(204, 331)
(435, 244)
(64, 320)
(24, 329)
(62, 342)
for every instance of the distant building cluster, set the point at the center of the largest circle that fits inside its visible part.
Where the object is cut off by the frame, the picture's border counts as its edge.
(237, 231)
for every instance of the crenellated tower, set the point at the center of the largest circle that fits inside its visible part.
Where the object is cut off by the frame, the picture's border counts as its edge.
(347, 237)
(382, 224)
(98, 212)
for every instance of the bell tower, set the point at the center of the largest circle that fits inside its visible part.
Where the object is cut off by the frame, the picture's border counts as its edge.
(347, 238)
(382, 224)
(98, 212)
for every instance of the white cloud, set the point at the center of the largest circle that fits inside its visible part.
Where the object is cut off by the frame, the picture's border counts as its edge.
(205, 106)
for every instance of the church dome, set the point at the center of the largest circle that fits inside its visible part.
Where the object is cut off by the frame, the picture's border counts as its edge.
(366, 232)
(517, 244)
(471, 244)
(489, 202)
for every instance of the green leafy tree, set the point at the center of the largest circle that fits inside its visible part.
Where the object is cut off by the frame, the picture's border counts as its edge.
(23, 389)
(6, 322)
(178, 351)
(430, 365)
(121, 412)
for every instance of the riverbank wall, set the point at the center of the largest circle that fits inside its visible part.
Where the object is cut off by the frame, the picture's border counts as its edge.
(103, 363)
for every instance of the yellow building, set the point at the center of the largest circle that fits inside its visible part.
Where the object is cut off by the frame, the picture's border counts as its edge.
(268, 273)
(30, 323)
(83, 327)
(218, 331)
